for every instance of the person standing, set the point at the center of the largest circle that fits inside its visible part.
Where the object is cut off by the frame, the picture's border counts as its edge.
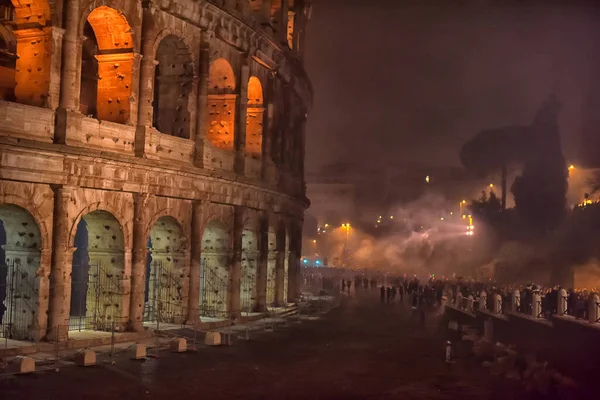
(382, 294)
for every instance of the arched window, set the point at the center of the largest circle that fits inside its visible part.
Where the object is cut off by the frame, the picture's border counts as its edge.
(221, 102)
(8, 62)
(173, 83)
(254, 120)
(111, 35)
(30, 76)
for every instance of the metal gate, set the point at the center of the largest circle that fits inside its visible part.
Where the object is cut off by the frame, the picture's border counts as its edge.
(213, 291)
(248, 286)
(95, 298)
(17, 301)
(165, 298)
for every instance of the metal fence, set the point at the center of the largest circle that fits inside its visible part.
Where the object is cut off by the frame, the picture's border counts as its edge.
(213, 290)
(164, 301)
(248, 286)
(18, 299)
(96, 294)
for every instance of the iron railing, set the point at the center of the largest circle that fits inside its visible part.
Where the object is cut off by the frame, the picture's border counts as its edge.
(18, 300)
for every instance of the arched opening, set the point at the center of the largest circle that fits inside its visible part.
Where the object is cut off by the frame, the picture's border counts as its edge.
(214, 270)
(165, 272)
(89, 73)
(110, 43)
(221, 103)
(8, 60)
(254, 120)
(20, 243)
(248, 294)
(173, 84)
(271, 266)
(98, 273)
(30, 77)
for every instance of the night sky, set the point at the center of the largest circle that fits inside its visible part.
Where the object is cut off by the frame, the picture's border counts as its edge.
(404, 83)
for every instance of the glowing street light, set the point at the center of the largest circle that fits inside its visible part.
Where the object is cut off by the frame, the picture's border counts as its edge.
(315, 241)
(491, 185)
(427, 179)
(571, 167)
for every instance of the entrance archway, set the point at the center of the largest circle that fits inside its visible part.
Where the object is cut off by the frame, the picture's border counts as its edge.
(98, 273)
(173, 84)
(248, 294)
(20, 243)
(214, 270)
(271, 267)
(165, 272)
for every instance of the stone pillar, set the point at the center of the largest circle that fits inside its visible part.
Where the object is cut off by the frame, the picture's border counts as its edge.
(140, 256)
(69, 88)
(280, 266)
(536, 305)
(135, 89)
(62, 265)
(293, 276)
(483, 300)
(202, 104)
(498, 304)
(235, 274)
(561, 307)
(43, 300)
(262, 270)
(146, 89)
(195, 263)
(515, 302)
(241, 118)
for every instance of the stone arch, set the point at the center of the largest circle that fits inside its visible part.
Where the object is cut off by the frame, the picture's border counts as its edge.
(23, 203)
(166, 278)
(98, 272)
(32, 70)
(106, 207)
(32, 12)
(20, 265)
(109, 40)
(216, 253)
(8, 63)
(222, 103)
(173, 85)
(254, 118)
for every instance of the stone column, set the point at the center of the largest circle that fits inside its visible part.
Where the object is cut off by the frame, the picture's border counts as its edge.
(202, 104)
(261, 272)
(294, 264)
(280, 266)
(235, 274)
(69, 88)
(135, 89)
(240, 126)
(195, 262)
(140, 256)
(62, 265)
(146, 89)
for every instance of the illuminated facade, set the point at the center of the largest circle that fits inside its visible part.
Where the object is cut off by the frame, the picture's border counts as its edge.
(151, 161)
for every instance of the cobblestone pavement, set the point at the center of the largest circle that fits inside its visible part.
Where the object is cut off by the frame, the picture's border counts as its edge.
(361, 350)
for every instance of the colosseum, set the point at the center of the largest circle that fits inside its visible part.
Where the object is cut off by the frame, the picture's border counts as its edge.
(151, 161)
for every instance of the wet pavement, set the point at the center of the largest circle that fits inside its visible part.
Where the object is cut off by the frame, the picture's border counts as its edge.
(360, 350)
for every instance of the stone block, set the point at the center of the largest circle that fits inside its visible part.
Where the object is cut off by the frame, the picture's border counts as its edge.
(212, 339)
(178, 345)
(22, 365)
(85, 358)
(139, 351)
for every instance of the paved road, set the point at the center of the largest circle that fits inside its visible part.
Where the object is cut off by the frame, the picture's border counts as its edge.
(361, 350)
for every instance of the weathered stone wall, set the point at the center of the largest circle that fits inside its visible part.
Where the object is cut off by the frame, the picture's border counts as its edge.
(145, 165)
